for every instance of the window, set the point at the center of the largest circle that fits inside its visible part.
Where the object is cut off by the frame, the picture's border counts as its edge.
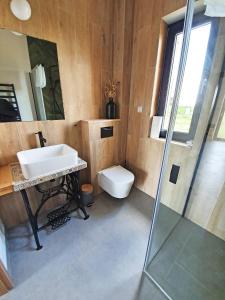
(196, 75)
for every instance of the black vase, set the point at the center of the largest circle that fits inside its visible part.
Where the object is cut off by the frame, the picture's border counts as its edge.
(111, 109)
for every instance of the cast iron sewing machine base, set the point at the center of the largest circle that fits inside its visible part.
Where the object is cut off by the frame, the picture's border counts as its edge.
(69, 186)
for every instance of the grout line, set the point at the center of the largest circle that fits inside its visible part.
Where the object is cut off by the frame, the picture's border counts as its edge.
(170, 233)
(157, 285)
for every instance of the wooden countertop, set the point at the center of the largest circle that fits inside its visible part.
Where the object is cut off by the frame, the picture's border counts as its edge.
(6, 182)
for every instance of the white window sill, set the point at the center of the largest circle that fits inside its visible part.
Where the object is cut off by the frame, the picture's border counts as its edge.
(163, 140)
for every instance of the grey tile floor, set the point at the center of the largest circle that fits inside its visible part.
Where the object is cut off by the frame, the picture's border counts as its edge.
(191, 264)
(166, 222)
(101, 258)
(148, 291)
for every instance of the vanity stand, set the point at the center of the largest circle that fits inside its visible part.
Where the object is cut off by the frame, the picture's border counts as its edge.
(68, 185)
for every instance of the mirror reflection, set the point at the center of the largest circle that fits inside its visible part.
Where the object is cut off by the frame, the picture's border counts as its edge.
(30, 86)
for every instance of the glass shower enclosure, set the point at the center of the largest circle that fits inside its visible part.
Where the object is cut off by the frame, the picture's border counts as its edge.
(186, 251)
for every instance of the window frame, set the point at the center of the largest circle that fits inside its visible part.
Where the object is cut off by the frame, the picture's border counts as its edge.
(173, 30)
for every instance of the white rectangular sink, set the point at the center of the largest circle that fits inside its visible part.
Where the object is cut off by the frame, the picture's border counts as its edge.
(41, 161)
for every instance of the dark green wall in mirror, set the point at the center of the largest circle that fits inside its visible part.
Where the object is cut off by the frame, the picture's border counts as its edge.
(30, 86)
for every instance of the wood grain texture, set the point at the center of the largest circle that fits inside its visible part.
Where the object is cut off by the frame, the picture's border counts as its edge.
(207, 201)
(94, 41)
(6, 186)
(122, 62)
(100, 153)
(98, 40)
(5, 280)
(82, 31)
(144, 155)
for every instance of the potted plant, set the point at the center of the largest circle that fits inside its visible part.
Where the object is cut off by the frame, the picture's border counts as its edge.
(111, 91)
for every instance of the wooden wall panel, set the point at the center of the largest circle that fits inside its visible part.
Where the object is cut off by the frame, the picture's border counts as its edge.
(148, 40)
(82, 31)
(207, 201)
(98, 40)
(144, 154)
(94, 41)
(122, 61)
(5, 281)
(101, 153)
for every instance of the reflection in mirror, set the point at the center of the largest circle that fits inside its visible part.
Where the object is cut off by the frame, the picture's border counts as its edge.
(30, 86)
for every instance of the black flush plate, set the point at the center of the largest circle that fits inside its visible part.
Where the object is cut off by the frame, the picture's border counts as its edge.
(106, 132)
(174, 173)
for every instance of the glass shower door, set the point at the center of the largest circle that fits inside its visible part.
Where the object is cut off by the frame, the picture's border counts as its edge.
(186, 249)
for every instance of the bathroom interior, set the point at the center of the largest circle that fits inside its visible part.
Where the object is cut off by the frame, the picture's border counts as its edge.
(112, 149)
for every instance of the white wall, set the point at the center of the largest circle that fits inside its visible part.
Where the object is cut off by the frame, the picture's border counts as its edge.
(14, 52)
(15, 68)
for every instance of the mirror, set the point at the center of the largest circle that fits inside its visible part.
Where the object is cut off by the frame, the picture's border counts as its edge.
(30, 86)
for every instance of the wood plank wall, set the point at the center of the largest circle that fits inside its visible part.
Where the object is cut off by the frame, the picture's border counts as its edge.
(94, 38)
(5, 281)
(97, 40)
(122, 61)
(100, 153)
(82, 31)
(144, 155)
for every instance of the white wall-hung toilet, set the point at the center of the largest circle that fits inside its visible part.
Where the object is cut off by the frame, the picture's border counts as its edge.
(116, 181)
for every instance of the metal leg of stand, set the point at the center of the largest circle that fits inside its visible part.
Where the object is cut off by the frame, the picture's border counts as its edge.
(31, 217)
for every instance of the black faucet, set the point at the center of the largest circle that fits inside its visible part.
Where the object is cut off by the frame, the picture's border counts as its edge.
(41, 138)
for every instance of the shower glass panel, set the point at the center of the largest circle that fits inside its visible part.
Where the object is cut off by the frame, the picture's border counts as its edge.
(186, 252)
